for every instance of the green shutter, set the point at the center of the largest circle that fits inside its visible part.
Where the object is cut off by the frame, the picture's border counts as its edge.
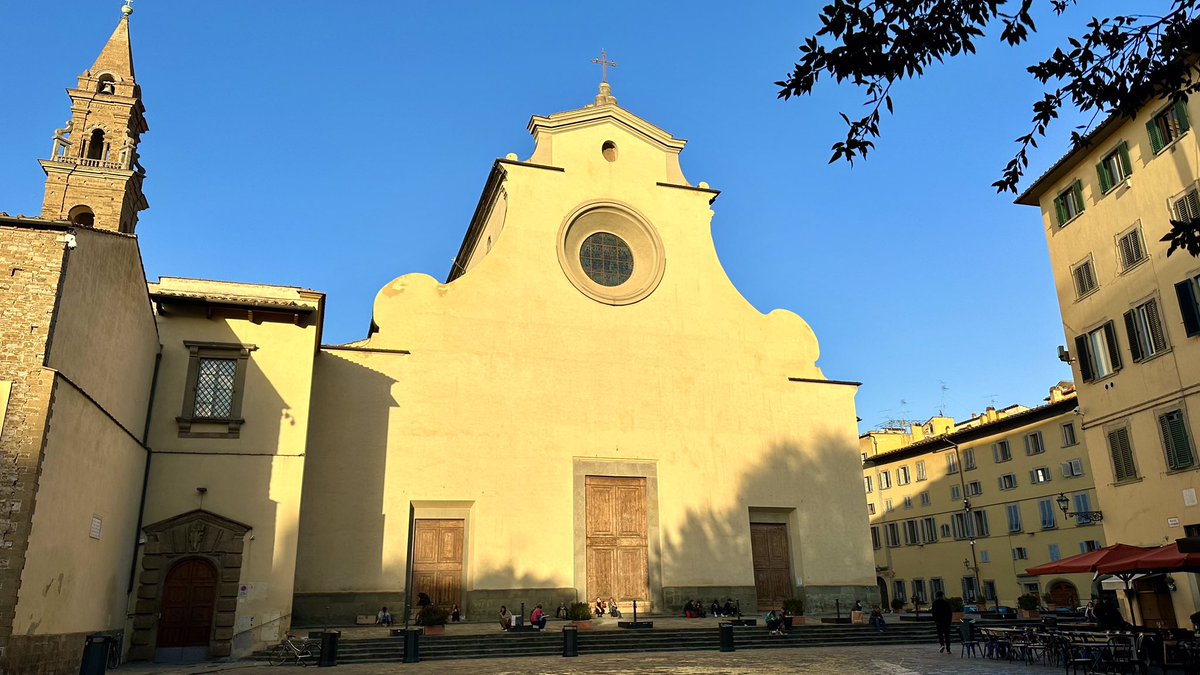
(1123, 151)
(1106, 181)
(1176, 443)
(1156, 140)
(1135, 345)
(1060, 210)
(1158, 338)
(1084, 359)
(1077, 188)
(1189, 306)
(1110, 336)
(1122, 454)
(1181, 116)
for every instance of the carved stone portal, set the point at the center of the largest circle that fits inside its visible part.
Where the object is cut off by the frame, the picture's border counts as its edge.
(195, 534)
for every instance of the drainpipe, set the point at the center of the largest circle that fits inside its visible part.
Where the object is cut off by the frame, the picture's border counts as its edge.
(137, 533)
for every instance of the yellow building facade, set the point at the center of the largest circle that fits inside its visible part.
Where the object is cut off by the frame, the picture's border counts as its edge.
(1131, 319)
(585, 407)
(966, 507)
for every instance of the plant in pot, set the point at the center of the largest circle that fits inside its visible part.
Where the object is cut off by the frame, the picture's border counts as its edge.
(793, 609)
(897, 605)
(1029, 605)
(956, 607)
(433, 619)
(580, 614)
(1049, 600)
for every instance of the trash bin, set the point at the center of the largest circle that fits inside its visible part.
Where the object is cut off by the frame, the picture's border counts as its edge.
(95, 654)
(412, 645)
(726, 636)
(570, 641)
(329, 648)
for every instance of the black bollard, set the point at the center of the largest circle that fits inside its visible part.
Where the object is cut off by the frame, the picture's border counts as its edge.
(837, 603)
(635, 611)
(726, 636)
(570, 641)
(412, 646)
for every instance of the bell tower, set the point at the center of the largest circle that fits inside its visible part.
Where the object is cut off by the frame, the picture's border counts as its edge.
(93, 177)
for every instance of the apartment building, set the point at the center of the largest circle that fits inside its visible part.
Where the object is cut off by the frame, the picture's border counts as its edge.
(1131, 319)
(966, 507)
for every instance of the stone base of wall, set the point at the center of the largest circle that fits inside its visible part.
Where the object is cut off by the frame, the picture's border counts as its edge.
(314, 610)
(482, 605)
(822, 600)
(59, 654)
(675, 597)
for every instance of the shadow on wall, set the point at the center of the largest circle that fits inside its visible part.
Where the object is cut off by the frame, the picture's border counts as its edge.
(350, 401)
(792, 480)
(527, 588)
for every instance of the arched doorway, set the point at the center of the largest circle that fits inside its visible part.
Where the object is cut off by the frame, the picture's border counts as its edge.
(188, 602)
(883, 592)
(1064, 594)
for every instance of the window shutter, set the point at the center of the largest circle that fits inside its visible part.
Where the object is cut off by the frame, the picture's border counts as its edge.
(1123, 151)
(1191, 205)
(1033, 477)
(1181, 116)
(1110, 336)
(1156, 140)
(1081, 355)
(1077, 467)
(1188, 306)
(1066, 469)
(1077, 188)
(1106, 181)
(1157, 337)
(1122, 455)
(1135, 345)
(1061, 210)
(1175, 441)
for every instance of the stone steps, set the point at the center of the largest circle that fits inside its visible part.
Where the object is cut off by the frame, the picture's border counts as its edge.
(626, 641)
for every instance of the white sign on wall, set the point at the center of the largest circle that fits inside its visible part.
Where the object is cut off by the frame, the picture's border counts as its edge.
(1172, 522)
(97, 523)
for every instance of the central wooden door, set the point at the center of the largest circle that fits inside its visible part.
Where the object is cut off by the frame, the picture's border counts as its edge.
(617, 560)
(189, 598)
(772, 564)
(438, 561)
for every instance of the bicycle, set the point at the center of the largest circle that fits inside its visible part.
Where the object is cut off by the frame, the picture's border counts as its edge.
(115, 640)
(288, 650)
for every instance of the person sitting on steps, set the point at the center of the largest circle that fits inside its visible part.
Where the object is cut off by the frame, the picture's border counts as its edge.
(538, 618)
(384, 617)
(599, 609)
(612, 608)
(505, 618)
(774, 623)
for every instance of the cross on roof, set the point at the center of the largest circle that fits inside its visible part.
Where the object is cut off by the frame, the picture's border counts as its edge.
(604, 64)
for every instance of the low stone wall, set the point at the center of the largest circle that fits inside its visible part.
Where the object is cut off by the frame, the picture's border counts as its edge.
(822, 600)
(59, 654)
(341, 609)
(675, 597)
(485, 604)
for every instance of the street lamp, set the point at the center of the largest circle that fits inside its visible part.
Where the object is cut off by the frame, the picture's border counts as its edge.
(1086, 516)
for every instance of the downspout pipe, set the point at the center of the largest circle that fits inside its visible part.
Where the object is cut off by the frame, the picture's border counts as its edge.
(962, 482)
(137, 534)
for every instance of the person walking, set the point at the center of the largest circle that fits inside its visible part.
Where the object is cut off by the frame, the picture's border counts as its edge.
(942, 616)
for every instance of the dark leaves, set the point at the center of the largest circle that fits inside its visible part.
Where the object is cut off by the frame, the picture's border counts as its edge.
(1184, 234)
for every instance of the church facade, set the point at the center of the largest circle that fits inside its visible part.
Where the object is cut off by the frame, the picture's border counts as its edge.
(585, 407)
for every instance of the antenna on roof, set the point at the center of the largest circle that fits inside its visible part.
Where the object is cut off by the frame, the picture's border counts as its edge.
(942, 407)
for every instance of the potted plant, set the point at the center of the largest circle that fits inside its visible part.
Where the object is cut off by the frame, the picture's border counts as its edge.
(1049, 600)
(956, 608)
(793, 612)
(580, 614)
(432, 620)
(897, 605)
(1029, 606)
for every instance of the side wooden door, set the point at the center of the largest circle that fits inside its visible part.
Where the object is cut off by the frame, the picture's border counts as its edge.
(188, 601)
(438, 561)
(772, 564)
(617, 560)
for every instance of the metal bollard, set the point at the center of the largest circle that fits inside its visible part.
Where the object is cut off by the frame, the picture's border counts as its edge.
(570, 641)
(412, 646)
(726, 637)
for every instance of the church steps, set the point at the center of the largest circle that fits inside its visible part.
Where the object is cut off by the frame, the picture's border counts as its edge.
(610, 642)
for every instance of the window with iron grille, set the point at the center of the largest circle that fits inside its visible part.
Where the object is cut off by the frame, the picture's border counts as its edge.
(1130, 249)
(1121, 451)
(1084, 277)
(1145, 331)
(1166, 126)
(1176, 441)
(1082, 504)
(214, 389)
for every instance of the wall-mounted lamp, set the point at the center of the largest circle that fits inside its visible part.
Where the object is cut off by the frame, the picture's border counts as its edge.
(1086, 516)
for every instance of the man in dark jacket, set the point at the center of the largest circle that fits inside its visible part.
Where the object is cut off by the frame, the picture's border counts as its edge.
(942, 615)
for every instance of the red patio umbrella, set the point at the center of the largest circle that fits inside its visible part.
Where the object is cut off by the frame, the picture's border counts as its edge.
(1166, 559)
(1092, 561)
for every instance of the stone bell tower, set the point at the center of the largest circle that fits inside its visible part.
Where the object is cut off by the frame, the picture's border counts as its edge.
(93, 177)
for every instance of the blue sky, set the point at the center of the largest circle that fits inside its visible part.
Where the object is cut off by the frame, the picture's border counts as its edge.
(337, 146)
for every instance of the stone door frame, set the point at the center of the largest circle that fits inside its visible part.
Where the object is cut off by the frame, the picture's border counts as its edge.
(195, 534)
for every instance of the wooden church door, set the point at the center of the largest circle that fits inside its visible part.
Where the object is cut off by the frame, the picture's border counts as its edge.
(617, 560)
(772, 564)
(188, 601)
(438, 561)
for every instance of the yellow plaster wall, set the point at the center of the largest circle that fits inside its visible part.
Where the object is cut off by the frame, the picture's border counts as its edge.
(514, 373)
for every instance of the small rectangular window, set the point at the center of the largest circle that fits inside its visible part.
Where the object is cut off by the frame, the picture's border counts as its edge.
(984, 557)
(213, 392)
(1039, 475)
(1177, 443)
(1047, 508)
(974, 488)
(1144, 328)
(885, 480)
(1088, 546)
(989, 590)
(955, 493)
(1008, 481)
(921, 469)
(918, 588)
(1166, 126)
(911, 538)
(214, 389)
(1069, 203)
(1055, 555)
(902, 476)
(925, 498)
(892, 534)
(867, 481)
(908, 502)
(929, 530)
(1130, 249)
(1097, 353)
(1019, 553)
(1068, 434)
(1187, 207)
(969, 459)
(887, 506)
(937, 586)
(1034, 444)
(951, 463)
(1001, 452)
(875, 537)
(870, 509)
(1014, 518)
(1084, 277)
(1121, 451)
(1115, 168)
